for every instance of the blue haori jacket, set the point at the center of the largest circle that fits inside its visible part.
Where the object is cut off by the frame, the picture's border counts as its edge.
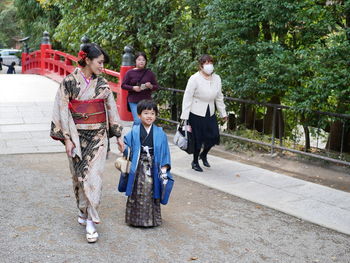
(161, 156)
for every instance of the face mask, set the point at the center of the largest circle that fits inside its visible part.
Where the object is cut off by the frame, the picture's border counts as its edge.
(208, 68)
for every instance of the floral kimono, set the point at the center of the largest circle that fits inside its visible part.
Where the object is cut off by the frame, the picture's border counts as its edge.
(89, 131)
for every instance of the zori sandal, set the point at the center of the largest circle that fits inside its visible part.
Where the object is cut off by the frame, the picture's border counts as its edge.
(91, 237)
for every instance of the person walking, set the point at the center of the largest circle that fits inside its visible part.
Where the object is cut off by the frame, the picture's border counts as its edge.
(203, 93)
(84, 118)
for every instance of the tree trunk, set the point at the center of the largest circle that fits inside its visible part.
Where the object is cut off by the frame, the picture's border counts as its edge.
(307, 138)
(334, 142)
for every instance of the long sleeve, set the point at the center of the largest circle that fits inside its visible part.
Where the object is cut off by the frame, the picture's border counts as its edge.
(115, 129)
(60, 118)
(154, 82)
(219, 101)
(165, 153)
(188, 98)
(126, 82)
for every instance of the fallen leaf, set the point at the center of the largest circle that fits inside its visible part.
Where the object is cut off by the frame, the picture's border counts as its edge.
(258, 206)
(67, 196)
(194, 258)
(237, 175)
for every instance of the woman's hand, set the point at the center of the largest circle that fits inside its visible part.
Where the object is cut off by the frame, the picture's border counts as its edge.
(121, 146)
(137, 88)
(224, 119)
(149, 85)
(69, 147)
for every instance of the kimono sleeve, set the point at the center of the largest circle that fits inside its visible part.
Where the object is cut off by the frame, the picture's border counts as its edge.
(115, 129)
(165, 152)
(60, 116)
(127, 142)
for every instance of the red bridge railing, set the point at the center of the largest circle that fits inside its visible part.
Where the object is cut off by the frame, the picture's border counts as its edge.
(56, 65)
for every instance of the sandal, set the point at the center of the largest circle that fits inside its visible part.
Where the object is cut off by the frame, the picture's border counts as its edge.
(91, 237)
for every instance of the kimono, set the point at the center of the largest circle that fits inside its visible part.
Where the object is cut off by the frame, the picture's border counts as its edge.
(149, 152)
(91, 140)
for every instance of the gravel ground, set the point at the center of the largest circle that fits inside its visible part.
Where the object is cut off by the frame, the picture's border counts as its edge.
(38, 223)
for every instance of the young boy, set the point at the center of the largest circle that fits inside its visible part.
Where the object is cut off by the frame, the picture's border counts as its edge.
(150, 162)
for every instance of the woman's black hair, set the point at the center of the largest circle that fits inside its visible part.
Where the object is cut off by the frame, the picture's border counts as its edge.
(140, 54)
(92, 51)
(13, 63)
(146, 105)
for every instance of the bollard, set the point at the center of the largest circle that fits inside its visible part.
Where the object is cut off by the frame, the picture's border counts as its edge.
(45, 44)
(128, 62)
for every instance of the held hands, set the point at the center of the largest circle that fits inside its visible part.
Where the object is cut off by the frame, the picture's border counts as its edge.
(224, 119)
(69, 147)
(121, 146)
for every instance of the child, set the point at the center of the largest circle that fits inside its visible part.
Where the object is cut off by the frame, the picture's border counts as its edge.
(11, 68)
(150, 161)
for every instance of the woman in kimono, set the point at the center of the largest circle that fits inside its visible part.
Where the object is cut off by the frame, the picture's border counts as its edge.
(84, 118)
(150, 162)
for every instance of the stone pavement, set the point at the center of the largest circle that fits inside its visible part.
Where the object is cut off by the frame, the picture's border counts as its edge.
(200, 224)
(24, 124)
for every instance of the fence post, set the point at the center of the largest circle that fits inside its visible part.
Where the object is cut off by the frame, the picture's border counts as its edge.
(45, 44)
(273, 129)
(128, 62)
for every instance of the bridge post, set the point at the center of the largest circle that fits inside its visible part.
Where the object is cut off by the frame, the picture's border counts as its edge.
(128, 62)
(24, 53)
(45, 44)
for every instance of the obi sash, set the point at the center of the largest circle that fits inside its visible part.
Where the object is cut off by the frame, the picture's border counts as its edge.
(88, 111)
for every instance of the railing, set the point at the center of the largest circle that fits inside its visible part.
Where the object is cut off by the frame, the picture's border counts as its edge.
(266, 121)
(57, 65)
(301, 138)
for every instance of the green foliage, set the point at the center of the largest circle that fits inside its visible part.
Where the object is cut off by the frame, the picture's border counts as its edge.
(9, 28)
(292, 52)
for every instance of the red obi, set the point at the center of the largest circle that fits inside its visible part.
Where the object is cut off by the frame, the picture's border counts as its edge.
(88, 111)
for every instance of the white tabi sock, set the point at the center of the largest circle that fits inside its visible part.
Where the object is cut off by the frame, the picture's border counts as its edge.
(90, 226)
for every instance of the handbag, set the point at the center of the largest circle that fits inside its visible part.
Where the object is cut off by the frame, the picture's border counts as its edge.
(184, 138)
(123, 164)
(166, 188)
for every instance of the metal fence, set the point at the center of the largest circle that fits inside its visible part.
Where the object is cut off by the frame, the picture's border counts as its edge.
(278, 127)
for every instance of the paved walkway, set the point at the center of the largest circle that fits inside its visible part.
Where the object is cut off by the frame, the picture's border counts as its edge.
(24, 123)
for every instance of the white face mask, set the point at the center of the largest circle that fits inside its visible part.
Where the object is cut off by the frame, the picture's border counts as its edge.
(208, 68)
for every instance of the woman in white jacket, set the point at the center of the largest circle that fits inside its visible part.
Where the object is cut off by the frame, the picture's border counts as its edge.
(203, 93)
